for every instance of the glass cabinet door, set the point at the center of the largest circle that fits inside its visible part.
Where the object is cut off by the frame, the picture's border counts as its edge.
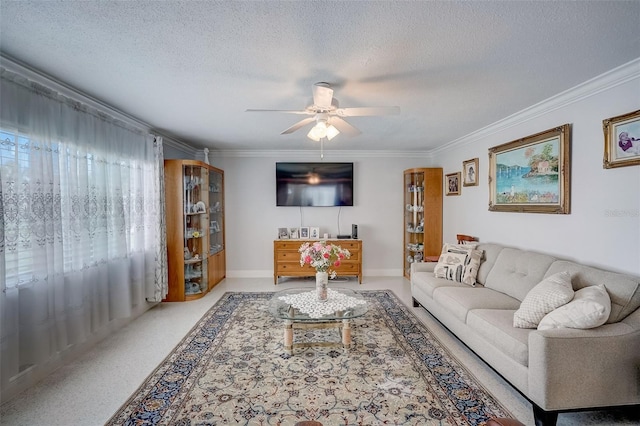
(196, 226)
(414, 219)
(216, 206)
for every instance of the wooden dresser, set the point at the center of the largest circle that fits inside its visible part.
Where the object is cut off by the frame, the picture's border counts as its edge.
(286, 259)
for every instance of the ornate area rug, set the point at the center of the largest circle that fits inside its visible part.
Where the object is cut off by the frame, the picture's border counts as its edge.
(231, 369)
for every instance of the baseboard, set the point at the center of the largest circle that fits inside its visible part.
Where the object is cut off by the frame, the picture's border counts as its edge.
(268, 273)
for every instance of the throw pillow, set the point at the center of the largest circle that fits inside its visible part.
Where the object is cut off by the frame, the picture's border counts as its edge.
(551, 293)
(589, 308)
(459, 263)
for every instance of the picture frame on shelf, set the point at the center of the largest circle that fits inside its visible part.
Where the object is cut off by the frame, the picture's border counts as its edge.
(470, 172)
(621, 140)
(283, 233)
(452, 183)
(304, 232)
(532, 174)
(314, 232)
(294, 233)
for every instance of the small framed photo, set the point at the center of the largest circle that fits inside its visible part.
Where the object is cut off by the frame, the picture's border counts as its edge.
(452, 183)
(314, 232)
(470, 172)
(304, 232)
(294, 233)
(622, 140)
(283, 233)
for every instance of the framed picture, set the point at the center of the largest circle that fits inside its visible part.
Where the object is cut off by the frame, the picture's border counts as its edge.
(532, 174)
(314, 232)
(283, 233)
(304, 232)
(470, 172)
(622, 140)
(294, 233)
(452, 183)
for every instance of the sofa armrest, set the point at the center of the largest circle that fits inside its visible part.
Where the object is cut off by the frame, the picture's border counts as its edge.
(422, 267)
(599, 367)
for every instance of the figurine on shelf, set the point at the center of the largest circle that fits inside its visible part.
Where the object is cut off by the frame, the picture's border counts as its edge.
(187, 254)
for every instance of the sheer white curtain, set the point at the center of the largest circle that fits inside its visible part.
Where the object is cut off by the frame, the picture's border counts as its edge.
(82, 240)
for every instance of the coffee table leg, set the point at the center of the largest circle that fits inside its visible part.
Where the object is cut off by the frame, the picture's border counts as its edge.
(346, 333)
(288, 336)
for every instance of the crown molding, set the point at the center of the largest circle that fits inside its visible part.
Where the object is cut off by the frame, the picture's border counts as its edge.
(315, 154)
(610, 79)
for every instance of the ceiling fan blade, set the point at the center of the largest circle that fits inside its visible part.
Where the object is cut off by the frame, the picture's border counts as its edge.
(364, 111)
(322, 95)
(298, 125)
(285, 111)
(344, 127)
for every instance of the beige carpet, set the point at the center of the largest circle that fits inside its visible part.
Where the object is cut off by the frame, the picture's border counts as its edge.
(232, 369)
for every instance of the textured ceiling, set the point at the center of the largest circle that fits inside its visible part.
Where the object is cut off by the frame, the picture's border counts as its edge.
(191, 68)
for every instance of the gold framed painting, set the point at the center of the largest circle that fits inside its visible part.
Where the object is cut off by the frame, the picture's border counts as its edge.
(470, 172)
(532, 174)
(621, 140)
(452, 182)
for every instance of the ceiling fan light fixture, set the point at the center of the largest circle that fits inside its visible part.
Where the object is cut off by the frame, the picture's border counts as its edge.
(332, 132)
(318, 131)
(313, 135)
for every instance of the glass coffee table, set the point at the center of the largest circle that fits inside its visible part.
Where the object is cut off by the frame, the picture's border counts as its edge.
(299, 308)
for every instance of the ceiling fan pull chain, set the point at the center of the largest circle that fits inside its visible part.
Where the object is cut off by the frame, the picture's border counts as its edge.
(322, 148)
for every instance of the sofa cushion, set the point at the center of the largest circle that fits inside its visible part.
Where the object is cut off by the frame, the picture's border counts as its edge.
(428, 282)
(549, 294)
(459, 262)
(460, 300)
(490, 253)
(495, 326)
(624, 290)
(515, 272)
(589, 308)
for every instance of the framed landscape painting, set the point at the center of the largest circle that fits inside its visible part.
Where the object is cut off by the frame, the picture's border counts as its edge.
(532, 174)
(622, 140)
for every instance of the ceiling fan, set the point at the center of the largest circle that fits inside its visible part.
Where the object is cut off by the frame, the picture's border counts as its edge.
(328, 116)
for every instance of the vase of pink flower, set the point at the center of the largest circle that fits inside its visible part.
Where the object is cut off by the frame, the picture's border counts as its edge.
(323, 257)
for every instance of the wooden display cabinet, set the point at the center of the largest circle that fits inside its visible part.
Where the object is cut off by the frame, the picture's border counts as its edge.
(422, 215)
(194, 200)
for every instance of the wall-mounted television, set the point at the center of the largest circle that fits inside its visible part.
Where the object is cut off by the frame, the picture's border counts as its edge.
(314, 184)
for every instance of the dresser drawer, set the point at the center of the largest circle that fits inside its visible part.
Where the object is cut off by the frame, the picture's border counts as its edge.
(288, 256)
(293, 245)
(346, 244)
(291, 267)
(347, 267)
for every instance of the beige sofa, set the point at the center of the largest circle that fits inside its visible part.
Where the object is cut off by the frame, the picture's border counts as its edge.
(561, 369)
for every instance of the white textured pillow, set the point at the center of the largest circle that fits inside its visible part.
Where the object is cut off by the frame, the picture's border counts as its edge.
(589, 308)
(459, 263)
(551, 293)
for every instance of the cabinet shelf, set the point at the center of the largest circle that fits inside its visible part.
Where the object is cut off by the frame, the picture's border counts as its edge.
(423, 210)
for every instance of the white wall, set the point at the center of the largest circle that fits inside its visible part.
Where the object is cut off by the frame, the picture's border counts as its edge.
(603, 229)
(253, 218)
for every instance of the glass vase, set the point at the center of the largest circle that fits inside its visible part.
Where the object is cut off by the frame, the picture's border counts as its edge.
(322, 280)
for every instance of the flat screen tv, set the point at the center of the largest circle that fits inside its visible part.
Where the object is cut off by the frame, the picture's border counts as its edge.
(314, 184)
